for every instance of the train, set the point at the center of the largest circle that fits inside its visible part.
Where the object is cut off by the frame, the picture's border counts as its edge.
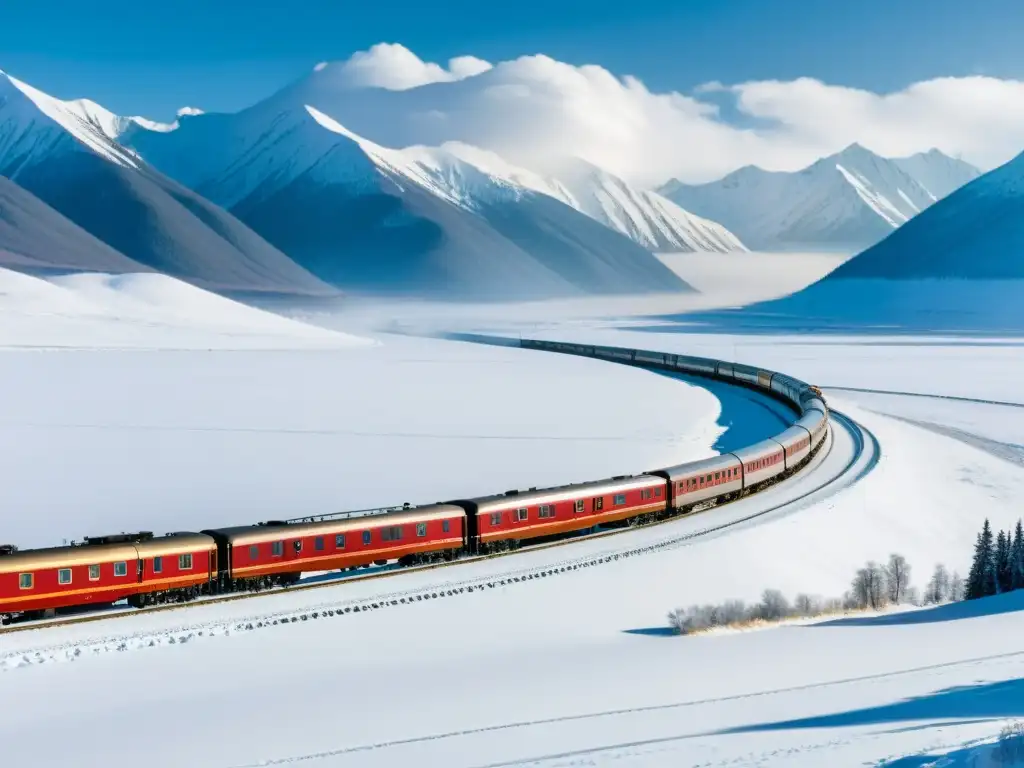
(143, 569)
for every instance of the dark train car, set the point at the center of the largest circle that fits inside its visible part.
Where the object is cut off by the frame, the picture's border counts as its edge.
(278, 553)
(505, 520)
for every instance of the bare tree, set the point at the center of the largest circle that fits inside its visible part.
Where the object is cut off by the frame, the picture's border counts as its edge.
(774, 605)
(806, 605)
(939, 587)
(897, 578)
(957, 588)
(869, 586)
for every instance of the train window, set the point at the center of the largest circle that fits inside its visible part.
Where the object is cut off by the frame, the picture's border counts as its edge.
(158, 564)
(318, 543)
(421, 529)
(254, 552)
(545, 510)
(495, 518)
(25, 581)
(277, 548)
(716, 475)
(446, 525)
(522, 514)
(64, 576)
(184, 562)
(707, 479)
(657, 493)
(121, 569)
(94, 573)
(366, 537)
(297, 545)
(579, 505)
(391, 533)
(620, 498)
(339, 541)
(599, 503)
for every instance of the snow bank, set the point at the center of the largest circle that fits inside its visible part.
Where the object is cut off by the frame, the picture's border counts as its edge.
(141, 311)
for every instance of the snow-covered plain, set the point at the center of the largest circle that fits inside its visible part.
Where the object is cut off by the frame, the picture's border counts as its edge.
(571, 669)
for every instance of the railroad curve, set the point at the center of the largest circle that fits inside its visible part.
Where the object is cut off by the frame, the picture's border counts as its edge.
(850, 452)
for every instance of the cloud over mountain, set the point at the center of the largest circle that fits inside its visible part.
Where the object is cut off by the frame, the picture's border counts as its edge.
(534, 108)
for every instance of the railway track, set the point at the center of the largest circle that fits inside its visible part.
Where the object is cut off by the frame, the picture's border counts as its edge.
(862, 458)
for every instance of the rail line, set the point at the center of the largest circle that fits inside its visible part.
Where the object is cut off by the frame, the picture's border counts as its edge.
(862, 460)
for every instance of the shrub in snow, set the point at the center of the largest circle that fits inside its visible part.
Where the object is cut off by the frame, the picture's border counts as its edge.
(873, 587)
(1010, 750)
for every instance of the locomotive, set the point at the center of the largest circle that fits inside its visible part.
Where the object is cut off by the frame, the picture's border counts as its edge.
(145, 570)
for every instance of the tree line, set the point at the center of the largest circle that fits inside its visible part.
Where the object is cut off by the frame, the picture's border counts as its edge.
(874, 586)
(998, 564)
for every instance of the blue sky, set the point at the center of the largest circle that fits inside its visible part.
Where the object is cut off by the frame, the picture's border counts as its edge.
(151, 58)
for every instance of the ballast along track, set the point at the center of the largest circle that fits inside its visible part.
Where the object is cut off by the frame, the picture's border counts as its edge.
(489, 527)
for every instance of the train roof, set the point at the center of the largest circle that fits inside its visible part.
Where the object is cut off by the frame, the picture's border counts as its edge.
(757, 450)
(255, 534)
(175, 544)
(571, 492)
(66, 557)
(96, 554)
(711, 464)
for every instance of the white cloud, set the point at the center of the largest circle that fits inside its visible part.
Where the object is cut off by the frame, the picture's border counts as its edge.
(395, 67)
(534, 110)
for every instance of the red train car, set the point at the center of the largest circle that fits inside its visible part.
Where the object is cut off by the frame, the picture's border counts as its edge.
(174, 568)
(260, 556)
(503, 521)
(104, 570)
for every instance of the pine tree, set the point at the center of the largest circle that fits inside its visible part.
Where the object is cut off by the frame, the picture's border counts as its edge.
(980, 579)
(1003, 564)
(1017, 556)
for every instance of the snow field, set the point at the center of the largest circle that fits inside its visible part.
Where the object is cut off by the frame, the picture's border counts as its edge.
(176, 440)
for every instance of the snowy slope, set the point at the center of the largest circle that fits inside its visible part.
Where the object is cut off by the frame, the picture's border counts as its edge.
(939, 174)
(975, 233)
(847, 201)
(646, 217)
(33, 236)
(450, 220)
(62, 153)
(146, 311)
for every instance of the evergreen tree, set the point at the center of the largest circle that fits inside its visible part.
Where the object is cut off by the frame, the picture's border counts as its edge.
(1002, 563)
(980, 579)
(1017, 557)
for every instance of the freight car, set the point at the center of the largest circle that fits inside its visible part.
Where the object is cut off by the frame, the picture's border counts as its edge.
(145, 570)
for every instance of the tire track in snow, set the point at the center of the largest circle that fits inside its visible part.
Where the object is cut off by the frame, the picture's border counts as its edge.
(617, 713)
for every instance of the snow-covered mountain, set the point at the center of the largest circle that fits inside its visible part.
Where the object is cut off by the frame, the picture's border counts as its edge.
(975, 233)
(64, 153)
(447, 220)
(847, 201)
(646, 217)
(34, 237)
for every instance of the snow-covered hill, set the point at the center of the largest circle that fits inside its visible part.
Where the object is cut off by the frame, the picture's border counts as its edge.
(64, 154)
(847, 201)
(450, 220)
